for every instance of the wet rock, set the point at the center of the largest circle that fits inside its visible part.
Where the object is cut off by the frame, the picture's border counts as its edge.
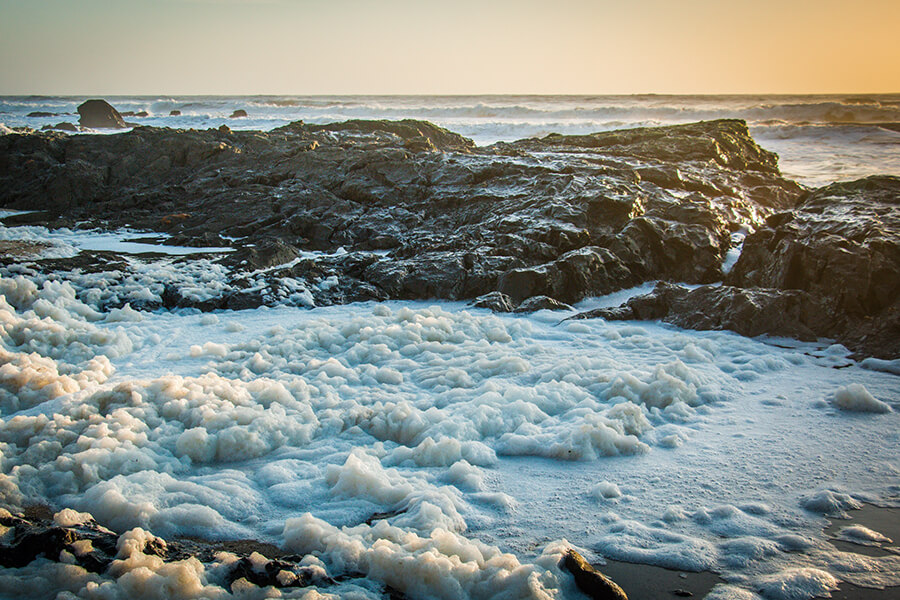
(174, 113)
(563, 216)
(495, 301)
(576, 274)
(536, 303)
(842, 246)
(31, 538)
(750, 312)
(37, 536)
(591, 581)
(238, 114)
(42, 114)
(99, 114)
(269, 253)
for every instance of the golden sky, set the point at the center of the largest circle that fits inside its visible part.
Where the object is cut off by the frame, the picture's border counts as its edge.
(173, 47)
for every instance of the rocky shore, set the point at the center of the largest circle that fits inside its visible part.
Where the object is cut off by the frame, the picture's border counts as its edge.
(364, 210)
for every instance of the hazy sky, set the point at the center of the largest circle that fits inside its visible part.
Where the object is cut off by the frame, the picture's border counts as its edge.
(93, 47)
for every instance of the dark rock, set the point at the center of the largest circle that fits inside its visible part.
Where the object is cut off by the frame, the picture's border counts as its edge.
(42, 114)
(841, 245)
(418, 135)
(174, 113)
(576, 274)
(34, 536)
(99, 114)
(536, 303)
(223, 128)
(131, 113)
(63, 126)
(239, 113)
(750, 312)
(495, 301)
(563, 217)
(267, 254)
(591, 581)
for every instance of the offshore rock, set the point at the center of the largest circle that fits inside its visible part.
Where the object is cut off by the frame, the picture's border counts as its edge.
(409, 210)
(99, 114)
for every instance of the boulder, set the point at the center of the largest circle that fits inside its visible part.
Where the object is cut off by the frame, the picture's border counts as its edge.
(536, 303)
(99, 114)
(239, 113)
(174, 113)
(495, 301)
(841, 243)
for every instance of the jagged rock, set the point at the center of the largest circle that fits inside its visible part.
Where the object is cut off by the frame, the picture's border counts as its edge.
(563, 216)
(842, 246)
(99, 114)
(269, 253)
(536, 303)
(750, 312)
(840, 243)
(239, 113)
(576, 274)
(33, 537)
(495, 301)
(591, 581)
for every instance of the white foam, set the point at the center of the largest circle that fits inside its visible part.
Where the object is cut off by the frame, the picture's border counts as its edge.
(855, 397)
(425, 421)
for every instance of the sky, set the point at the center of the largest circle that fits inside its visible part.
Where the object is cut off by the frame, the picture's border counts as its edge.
(177, 47)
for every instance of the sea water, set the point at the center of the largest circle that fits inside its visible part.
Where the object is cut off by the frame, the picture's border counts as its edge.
(496, 441)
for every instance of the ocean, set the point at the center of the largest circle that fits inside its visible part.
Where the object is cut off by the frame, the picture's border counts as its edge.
(432, 448)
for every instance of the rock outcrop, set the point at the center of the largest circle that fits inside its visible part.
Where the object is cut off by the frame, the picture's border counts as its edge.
(99, 114)
(830, 268)
(406, 209)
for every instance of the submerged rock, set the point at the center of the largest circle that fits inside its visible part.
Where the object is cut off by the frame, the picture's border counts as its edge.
(99, 114)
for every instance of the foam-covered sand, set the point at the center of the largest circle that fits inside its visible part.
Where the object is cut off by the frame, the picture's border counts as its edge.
(442, 451)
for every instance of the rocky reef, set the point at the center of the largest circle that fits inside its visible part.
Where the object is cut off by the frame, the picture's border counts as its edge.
(365, 210)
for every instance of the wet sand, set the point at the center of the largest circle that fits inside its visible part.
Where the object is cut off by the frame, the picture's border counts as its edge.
(647, 582)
